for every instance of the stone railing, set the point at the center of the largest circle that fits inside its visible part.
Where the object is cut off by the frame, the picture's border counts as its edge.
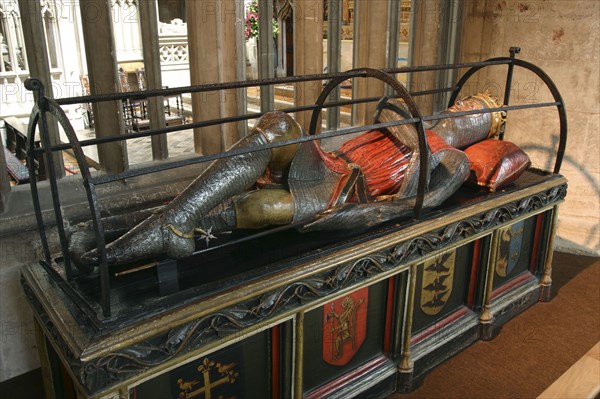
(174, 54)
(173, 50)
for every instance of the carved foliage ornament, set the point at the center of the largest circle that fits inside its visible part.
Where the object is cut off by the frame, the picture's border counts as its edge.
(174, 53)
(48, 7)
(124, 3)
(8, 6)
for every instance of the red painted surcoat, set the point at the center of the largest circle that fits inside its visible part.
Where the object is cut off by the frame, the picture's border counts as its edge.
(376, 159)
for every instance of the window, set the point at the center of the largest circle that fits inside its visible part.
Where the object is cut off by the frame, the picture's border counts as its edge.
(50, 32)
(11, 42)
(127, 31)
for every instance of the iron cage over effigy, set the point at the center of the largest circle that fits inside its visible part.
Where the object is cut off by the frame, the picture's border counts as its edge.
(282, 314)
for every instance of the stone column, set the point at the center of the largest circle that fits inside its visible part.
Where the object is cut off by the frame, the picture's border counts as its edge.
(308, 53)
(424, 46)
(96, 21)
(242, 104)
(393, 37)
(213, 58)
(561, 38)
(448, 48)
(156, 109)
(370, 50)
(266, 53)
(37, 58)
(334, 56)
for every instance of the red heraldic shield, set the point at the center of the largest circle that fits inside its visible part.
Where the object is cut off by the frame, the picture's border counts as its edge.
(345, 327)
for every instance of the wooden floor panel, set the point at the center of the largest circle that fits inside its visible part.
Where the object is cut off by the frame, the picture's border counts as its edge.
(582, 380)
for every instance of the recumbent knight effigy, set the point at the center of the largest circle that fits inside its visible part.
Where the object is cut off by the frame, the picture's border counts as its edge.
(288, 270)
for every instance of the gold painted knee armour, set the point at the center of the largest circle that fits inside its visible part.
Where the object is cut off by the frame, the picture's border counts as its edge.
(262, 208)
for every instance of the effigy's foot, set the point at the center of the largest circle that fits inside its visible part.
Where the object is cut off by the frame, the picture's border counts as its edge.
(155, 236)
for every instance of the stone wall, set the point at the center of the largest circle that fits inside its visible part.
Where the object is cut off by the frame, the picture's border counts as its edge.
(561, 37)
(18, 350)
(20, 245)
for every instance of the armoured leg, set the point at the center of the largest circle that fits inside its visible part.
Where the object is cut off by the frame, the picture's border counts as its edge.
(263, 208)
(252, 210)
(82, 237)
(170, 231)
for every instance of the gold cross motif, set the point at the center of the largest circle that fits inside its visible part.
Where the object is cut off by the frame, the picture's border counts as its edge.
(228, 375)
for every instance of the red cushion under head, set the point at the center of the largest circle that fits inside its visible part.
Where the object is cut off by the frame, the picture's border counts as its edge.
(496, 163)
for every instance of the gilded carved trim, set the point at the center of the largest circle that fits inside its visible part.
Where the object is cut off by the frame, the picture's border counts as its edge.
(114, 368)
(428, 243)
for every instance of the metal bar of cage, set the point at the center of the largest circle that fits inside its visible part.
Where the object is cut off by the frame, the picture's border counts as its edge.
(138, 95)
(560, 105)
(192, 125)
(229, 153)
(509, 76)
(90, 182)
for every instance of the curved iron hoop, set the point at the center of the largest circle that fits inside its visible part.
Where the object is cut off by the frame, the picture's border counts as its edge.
(562, 115)
(39, 115)
(403, 94)
(33, 121)
(49, 105)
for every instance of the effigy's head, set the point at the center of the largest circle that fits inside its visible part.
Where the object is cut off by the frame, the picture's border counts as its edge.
(482, 101)
(497, 118)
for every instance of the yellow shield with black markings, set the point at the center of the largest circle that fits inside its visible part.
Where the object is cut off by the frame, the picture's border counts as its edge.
(438, 279)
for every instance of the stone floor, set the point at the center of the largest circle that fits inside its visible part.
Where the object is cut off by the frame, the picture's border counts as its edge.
(139, 150)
